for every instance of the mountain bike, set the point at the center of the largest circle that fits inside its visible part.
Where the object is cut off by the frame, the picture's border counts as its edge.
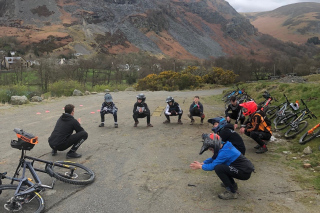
(311, 134)
(226, 98)
(244, 97)
(25, 197)
(284, 110)
(265, 104)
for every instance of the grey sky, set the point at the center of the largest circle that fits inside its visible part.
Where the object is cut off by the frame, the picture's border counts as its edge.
(262, 5)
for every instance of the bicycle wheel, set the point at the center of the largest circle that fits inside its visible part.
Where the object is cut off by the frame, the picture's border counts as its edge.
(29, 203)
(272, 111)
(306, 138)
(292, 132)
(81, 175)
(285, 122)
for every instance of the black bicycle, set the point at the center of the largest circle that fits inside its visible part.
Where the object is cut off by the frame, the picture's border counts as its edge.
(282, 110)
(25, 197)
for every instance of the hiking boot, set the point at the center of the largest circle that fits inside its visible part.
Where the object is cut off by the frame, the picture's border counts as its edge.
(54, 152)
(101, 125)
(192, 121)
(136, 124)
(227, 195)
(235, 186)
(73, 155)
(262, 150)
(166, 122)
(179, 122)
(257, 146)
(149, 125)
(115, 125)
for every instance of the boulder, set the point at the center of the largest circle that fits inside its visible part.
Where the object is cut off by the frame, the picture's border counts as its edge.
(307, 150)
(19, 100)
(87, 93)
(77, 93)
(307, 165)
(36, 99)
(130, 89)
(106, 90)
(115, 90)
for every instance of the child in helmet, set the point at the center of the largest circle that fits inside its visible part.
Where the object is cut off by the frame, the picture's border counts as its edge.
(236, 112)
(141, 110)
(227, 162)
(226, 131)
(196, 109)
(172, 109)
(108, 107)
(255, 127)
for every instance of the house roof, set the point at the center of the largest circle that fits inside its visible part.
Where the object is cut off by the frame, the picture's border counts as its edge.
(11, 59)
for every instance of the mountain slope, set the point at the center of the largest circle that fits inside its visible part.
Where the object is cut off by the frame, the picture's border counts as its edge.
(295, 22)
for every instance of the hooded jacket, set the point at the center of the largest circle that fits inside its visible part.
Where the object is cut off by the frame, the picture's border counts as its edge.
(236, 111)
(108, 108)
(137, 106)
(228, 134)
(65, 126)
(194, 108)
(174, 107)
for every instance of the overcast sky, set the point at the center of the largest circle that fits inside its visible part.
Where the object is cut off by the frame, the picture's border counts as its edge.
(262, 5)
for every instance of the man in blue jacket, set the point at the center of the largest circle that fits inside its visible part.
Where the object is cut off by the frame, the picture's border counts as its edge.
(227, 162)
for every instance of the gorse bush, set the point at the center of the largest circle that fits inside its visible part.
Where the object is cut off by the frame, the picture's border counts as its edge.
(219, 76)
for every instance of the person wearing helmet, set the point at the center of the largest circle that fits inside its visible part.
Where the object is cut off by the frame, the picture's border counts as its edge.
(228, 163)
(172, 109)
(236, 112)
(108, 107)
(196, 109)
(226, 131)
(141, 110)
(255, 127)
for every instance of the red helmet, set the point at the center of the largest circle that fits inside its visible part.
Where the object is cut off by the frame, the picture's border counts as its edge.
(251, 107)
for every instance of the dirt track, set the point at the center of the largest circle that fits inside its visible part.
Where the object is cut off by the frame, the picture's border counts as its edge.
(147, 169)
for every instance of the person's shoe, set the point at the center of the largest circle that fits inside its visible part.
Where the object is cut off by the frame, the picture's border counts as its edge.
(54, 152)
(115, 125)
(101, 125)
(235, 186)
(227, 195)
(192, 121)
(149, 125)
(201, 121)
(136, 124)
(166, 122)
(73, 155)
(257, 146)
(179, 122)
(262, 150)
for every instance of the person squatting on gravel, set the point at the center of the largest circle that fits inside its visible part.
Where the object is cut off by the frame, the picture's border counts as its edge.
(108, 107)
(227, 162)
(256, 126)
(236, 112)
(61, 138)
(196, 109)
(172, 109)
(226, 131)
(141, 110)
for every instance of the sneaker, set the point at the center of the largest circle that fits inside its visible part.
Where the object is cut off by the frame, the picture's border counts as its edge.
(262, 150)
(227, 195)
(257, 146)
(192, 121)
(201, 121)
(235, 186)
(101, 125)
(54, 152)
(136, 124)
(115, 125)
(166, 122)
(149, 125)
(179, 122)
(73, 155)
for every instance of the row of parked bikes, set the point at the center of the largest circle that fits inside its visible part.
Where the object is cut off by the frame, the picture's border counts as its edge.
(286, 116)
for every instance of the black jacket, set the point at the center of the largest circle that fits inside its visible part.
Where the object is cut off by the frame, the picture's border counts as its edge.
(236, 111)
(65, 126)
(138, 105)
(243, 164)
(196, 108)
(228, 134)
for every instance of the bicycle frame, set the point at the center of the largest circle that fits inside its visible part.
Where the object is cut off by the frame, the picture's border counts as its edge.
(314, 128)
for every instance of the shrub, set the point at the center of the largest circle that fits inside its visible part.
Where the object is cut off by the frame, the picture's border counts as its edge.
(219, 76)
(64, 88)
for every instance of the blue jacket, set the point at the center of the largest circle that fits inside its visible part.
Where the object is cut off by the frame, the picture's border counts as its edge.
(227, 155)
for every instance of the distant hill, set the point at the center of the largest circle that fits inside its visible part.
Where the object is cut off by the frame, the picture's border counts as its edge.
(294, 22)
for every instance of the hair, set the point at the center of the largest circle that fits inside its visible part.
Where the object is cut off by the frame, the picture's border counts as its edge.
(68, 108)
(233, 98)
(197, 97)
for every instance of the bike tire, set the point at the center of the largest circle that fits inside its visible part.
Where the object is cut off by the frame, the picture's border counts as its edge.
(85, 172)
(304, 138)
(292, 132)
(285, 122)
(36, 205)
(272, 111)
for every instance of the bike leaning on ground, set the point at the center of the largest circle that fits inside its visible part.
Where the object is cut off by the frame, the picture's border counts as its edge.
(25, 197)
(310, 134)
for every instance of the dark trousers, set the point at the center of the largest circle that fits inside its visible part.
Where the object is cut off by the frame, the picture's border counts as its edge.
(227, 173)
(235, 116)
(258, 136)
(197, 114)
(115, 117)
(74, 140)
(168, 116)
(141, 115)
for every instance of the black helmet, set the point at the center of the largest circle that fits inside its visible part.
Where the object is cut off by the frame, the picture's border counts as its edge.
(142, 97)
(211, 141)
(108, 98)
(170, 99)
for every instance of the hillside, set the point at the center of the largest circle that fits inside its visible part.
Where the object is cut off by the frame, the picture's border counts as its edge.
(294, 22)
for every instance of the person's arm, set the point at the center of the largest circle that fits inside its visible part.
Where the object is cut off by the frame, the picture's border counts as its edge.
(102, 106)
(257, 120)
(191, 107)
(167, 110)
(114, 108)
(146, 108)
(239, 116)
(77, 127)
(180, 110)
(227, 110)
(201, 107)
(135, 108)
(221, 159)
(207, 161)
